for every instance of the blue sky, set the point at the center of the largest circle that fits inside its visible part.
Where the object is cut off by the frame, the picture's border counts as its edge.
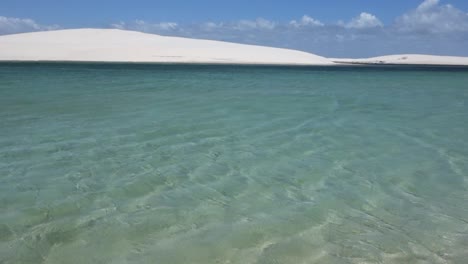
(354, 28)
(77, 13)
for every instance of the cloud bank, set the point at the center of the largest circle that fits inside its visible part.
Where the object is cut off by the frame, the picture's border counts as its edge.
(431, 27)
(364, 20)
(10, 25)
(432, 17)
(306, 21)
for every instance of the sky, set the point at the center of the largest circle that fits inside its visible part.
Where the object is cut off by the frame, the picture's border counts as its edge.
(332, 28)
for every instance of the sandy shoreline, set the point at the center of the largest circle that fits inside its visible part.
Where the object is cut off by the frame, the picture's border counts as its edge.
(407, 59)
(120, 46)
(252, 64)
(202, 64)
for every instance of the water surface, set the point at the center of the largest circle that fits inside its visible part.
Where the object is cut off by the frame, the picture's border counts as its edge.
(109, 163)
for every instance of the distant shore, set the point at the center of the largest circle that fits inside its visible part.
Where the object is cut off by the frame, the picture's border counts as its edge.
(111, 45)
(152, 65)
(120, 46)
(407, 59)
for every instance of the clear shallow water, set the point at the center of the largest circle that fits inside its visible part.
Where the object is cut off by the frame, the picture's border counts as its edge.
(225, 164)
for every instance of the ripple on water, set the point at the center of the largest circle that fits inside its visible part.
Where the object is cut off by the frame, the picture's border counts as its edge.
(178, 164)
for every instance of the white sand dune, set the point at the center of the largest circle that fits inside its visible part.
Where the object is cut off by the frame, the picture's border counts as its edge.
(113, 45)
(408, 59)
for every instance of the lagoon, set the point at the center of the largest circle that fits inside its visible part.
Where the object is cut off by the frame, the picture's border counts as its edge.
(135, 163)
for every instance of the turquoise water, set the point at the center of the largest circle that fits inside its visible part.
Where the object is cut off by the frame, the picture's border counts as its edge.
(226, 164)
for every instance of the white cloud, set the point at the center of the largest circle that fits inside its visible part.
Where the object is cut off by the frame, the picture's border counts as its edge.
(141, 25)
(306, 21)
(432, 17)
(364, 21)
(364, 35)
(11, 25)
(163, 26)
(259, 23)
(167, 25)
(193, 29)
(210, 26)
(427, 4)
(120, 25)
